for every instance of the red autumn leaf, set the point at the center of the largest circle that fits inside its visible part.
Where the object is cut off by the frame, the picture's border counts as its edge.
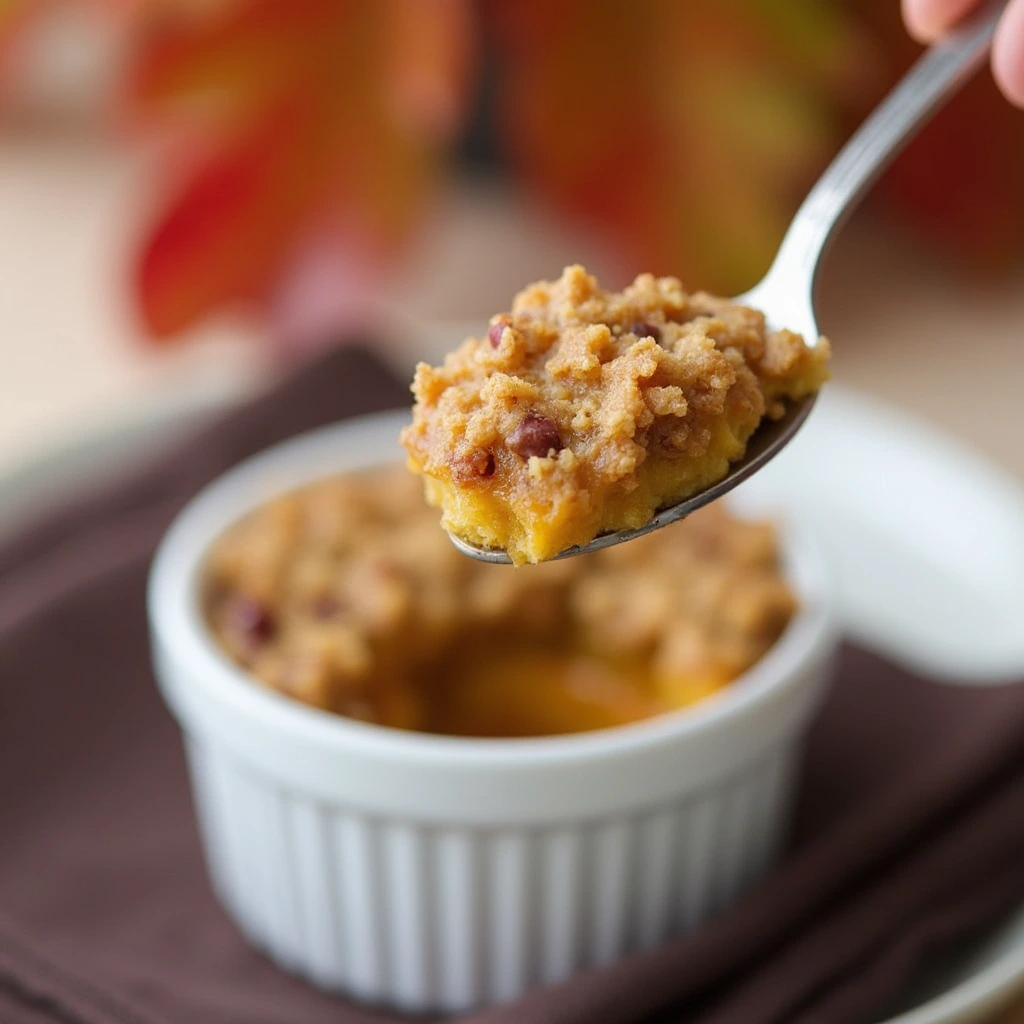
(221, 238)
(224, 67)
(319, 111)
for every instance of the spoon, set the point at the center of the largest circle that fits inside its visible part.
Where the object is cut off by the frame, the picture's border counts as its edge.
(786, 293)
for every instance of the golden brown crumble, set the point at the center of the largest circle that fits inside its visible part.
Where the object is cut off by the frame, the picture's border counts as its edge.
(583, 411)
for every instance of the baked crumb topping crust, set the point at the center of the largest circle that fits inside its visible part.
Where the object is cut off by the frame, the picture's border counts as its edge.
(582, 410)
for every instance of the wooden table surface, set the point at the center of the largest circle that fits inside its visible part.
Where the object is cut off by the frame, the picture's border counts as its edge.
(904, 326)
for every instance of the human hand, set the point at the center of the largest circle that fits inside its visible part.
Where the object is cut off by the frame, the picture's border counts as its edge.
(929, 20)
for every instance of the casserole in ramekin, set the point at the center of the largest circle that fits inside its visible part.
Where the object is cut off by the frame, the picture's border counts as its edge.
(438, 873)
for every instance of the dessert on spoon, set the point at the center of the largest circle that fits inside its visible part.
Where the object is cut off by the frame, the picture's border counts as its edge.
(583, 412)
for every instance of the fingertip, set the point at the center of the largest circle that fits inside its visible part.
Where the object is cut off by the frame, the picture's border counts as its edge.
(917, 16)
(1008, 53)
(929, 20)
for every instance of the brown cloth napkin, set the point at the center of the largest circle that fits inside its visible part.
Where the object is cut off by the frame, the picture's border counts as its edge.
(909, 831)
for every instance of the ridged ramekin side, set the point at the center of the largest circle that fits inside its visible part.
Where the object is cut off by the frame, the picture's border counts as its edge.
(425, 916)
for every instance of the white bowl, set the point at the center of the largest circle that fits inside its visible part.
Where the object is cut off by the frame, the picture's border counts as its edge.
(440, 873)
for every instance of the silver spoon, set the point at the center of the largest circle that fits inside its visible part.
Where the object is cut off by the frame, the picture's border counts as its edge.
(786, 293)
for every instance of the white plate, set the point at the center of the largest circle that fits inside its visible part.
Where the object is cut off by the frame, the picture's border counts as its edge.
(927, 540)
(926, 537)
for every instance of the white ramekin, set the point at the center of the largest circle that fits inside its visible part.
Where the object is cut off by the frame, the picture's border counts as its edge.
(441, 873)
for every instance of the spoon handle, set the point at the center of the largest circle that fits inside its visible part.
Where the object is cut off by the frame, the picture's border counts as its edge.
(940, 72)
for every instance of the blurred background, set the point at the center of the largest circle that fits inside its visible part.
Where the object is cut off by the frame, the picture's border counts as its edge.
(195, 193)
